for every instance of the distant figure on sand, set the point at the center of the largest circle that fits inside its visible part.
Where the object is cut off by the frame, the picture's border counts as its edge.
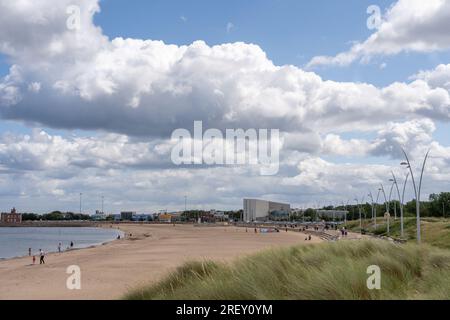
(71, 244)
(34, 259)
(42, 256)
(309, 238)
(59, 247)
(29, 252)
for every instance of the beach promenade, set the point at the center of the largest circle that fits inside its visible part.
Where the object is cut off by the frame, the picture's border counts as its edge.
(152, 251)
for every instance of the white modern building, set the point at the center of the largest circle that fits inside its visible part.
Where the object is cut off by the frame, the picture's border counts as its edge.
(260, 210)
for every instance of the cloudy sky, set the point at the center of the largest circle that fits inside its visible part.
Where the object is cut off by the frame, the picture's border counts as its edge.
(89, 104)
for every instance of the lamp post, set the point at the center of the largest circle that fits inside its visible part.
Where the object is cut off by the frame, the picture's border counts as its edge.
(80, 201)
(371, 204)
(390, 198)
(401, 199)
(375, 209)
(417, 189)
(387, 207)
(360, 213)
(345, 211)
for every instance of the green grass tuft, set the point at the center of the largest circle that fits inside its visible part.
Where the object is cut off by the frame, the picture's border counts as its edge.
(335, 271)
(435, 231)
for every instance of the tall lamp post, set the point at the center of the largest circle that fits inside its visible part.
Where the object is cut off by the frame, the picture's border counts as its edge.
(417, 188)
(371, 201)
(387, 207)
(345, 211)
(390, 198)
(80, 201)
(375, 209)
(401, 198)
(360, 213)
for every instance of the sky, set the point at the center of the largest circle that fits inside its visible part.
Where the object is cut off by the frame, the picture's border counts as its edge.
(89, 99)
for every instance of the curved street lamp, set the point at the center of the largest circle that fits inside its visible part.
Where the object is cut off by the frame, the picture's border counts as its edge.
(375, 209)
(372, 203)
(345, 213)
(360, 213)
(401, 198)
(417, 189)
(390, 197)
(387, 207)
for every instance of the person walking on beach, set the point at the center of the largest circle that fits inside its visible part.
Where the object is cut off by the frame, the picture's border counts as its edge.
(42, 256)
(59, 247)
(71, 244)
(29, 252)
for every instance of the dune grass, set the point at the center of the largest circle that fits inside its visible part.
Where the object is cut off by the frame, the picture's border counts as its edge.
(435, 231)
(334, 271)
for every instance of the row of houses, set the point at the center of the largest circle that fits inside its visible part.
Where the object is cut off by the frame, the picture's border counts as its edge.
(14, 217)
(211, 216)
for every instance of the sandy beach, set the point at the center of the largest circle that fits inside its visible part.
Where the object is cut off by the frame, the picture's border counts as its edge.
(109, 271)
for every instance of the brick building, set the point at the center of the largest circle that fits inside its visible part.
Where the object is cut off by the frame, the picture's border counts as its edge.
(12, 217)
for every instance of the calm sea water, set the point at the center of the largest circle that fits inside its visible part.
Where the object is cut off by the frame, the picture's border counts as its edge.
(14, 242)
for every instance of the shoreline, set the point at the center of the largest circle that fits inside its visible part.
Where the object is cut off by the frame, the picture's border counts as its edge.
(49, 253)
(153, 251)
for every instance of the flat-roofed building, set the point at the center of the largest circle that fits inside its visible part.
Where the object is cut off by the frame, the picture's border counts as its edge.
(127, 215)
(260, 210)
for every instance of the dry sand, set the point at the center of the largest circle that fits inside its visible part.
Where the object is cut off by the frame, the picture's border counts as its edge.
(109, 271)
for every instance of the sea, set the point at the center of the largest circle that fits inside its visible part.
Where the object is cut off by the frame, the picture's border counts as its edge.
(16, 241)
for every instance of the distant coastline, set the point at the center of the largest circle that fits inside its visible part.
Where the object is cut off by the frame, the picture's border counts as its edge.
(74, 224)
(50, 224)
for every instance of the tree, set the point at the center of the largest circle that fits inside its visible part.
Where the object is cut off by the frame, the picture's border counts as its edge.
(310, 214)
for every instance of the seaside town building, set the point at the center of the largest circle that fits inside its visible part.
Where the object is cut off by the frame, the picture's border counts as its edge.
(261, 210)
(127, 215)
(12, 217)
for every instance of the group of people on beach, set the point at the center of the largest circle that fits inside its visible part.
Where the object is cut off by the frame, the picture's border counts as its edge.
(42, 253)
(41, 256)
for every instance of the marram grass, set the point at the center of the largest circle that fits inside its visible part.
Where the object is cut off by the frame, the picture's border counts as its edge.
(334, 271)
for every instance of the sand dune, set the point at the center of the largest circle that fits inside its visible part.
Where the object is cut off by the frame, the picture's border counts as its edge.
(109, 271)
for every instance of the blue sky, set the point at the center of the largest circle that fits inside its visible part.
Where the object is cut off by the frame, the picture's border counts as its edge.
(289, 31)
